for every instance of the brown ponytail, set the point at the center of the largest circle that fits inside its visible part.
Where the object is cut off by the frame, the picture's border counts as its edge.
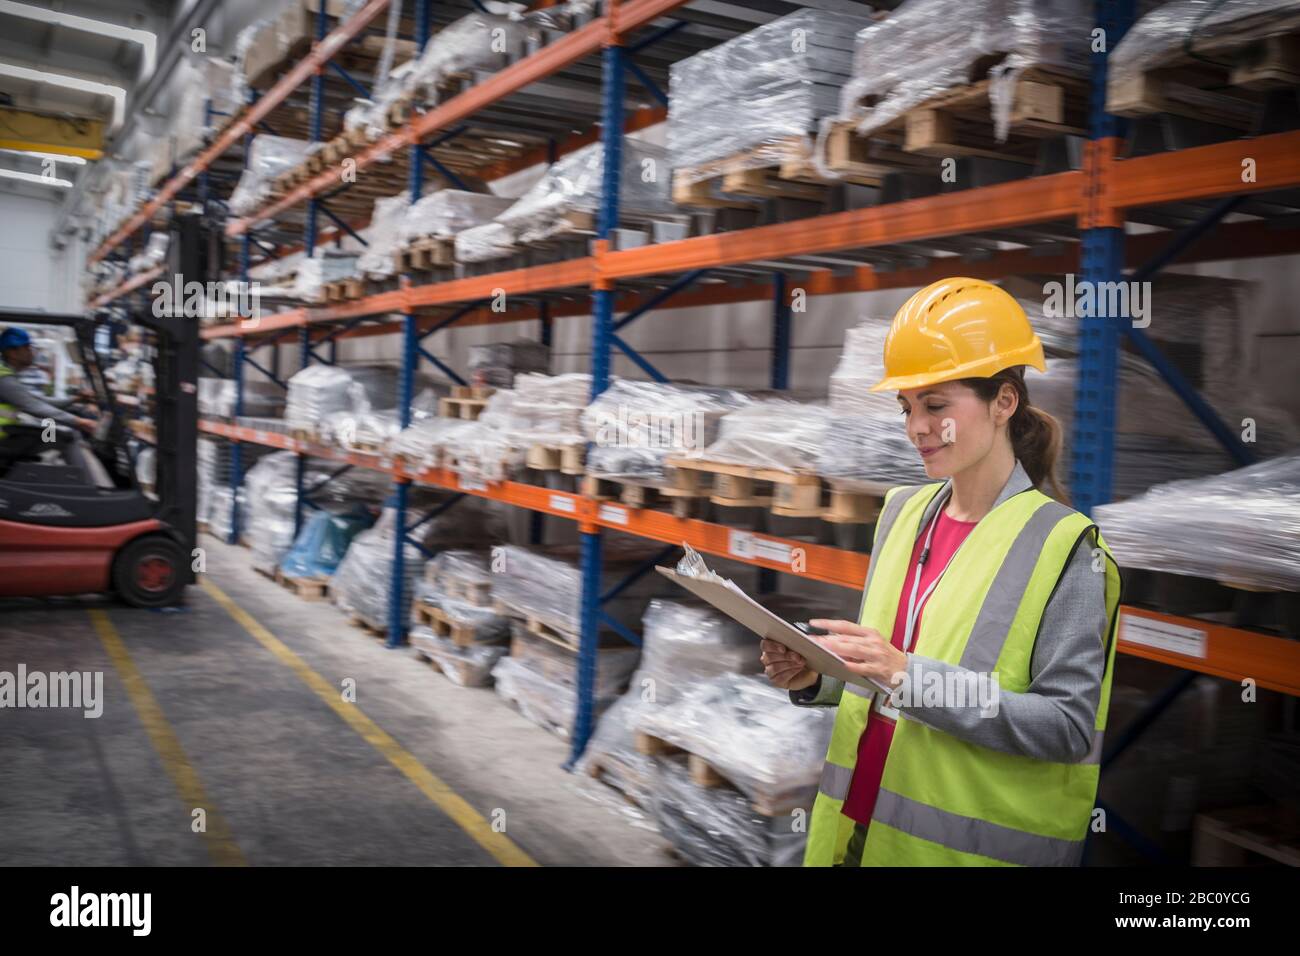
(1035, 435)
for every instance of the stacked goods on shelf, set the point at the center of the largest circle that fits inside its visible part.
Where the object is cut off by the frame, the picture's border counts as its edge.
(285, 30)
(683, 641)
(321, 544)
(455, 625)
(563, 204)
(1245, 530)
(216, 398)
(271, 500)
(750, 103)
(208, 99)
(1195, 321)
(544, 588)
(383, 239)
(314, 276)
(865, 445)
(361, 586)
(495, 364)
(1209, 61)
(428, 231)
(634, 427)
(928, 77)
(424, 444)
(268, 157)
(342, 402)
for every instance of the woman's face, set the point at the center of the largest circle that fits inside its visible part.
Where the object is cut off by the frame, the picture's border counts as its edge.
(951, 426)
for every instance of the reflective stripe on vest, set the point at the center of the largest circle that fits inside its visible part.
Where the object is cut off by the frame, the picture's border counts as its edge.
(944, 801)
(8, 414)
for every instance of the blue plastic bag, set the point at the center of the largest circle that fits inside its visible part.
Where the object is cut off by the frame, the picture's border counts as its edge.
(321, 544)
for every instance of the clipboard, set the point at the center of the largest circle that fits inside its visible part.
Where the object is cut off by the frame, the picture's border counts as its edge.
(739, 606)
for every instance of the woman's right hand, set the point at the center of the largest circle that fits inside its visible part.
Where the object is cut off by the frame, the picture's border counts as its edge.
(785, 668)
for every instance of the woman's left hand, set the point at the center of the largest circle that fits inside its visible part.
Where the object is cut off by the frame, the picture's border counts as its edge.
(864, 650)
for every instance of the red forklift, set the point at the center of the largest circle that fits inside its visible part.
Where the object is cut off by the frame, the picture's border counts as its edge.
(73, 525)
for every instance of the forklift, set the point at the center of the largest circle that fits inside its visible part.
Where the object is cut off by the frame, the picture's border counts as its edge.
(80, 523)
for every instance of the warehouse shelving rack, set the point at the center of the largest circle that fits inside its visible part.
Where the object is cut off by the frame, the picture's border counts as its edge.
(1087, 204)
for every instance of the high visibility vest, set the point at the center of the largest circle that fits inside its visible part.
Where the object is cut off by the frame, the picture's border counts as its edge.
(8, 414)
(942, 801)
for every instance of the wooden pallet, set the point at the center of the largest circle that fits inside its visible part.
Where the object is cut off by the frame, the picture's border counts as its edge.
(1225, 83)
(793, 495)
(307, 588)
(1240, 836)
(775, 170)
(345, 290)
(566, 459)
(638, 494)
(536, 627)
(357, 621)
(443, 625)
(477, 593)
(469, 408)
(431, 252)
(705, 774)
(851, 504)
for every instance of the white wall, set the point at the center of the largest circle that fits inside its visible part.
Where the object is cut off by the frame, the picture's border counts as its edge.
(32, 274)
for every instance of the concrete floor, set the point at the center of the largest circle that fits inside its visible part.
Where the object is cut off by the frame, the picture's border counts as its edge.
(416, 772)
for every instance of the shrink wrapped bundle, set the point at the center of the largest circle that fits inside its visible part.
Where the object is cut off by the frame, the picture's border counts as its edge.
(362, 582)
(715, 826)
(497, 363)
(1195, 30)
(319, 271)
(484, 451)
(753, 100)
(926, 47)
(634, 426)
(272, 496)
(448, 212)
(745, 728)
(425, 444)
(268, 157)
(202, 81)
(546, 408)
(466, 666)
(384, 237)
(1242, 526)
(463, 572)
(492, 240)
(320, 390)
(322, 543)
(216, 398)
(787, 436)
(484, 624)
(862, 365)
(871, 450)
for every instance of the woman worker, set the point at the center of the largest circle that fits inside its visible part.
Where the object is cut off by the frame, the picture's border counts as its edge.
(977, 582)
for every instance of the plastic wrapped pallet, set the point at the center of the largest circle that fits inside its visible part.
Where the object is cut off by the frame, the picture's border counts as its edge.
(362, 582)
(926, 47)
(447, 212)
(634, 426)
(753, 100)
(424, 444)
(464, 573)
(384, 237)
(268, 157)
(202, 81)
(322, 543)
(268, 518)
(492, 240)
(217, 398)
(320, 390)
(745, 728)
(1242, 526)
(1195, 30)
(466, 666)
(786, 436)
(547, 408)
(321, 269)
(715, 826)
(497, 363)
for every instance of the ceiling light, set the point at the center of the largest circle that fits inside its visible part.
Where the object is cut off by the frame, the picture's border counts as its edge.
(72, 83)
(148, 41)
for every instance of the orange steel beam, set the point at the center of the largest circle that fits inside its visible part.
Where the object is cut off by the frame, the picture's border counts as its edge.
(1231, 653)
(1204, 172)
(130, 285)
(1040, 199)
(306, 67)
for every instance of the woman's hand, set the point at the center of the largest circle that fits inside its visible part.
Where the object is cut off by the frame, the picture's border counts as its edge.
(864, 650)
(785, 668)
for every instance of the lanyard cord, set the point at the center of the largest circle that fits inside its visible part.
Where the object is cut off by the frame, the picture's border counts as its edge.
(913, 605)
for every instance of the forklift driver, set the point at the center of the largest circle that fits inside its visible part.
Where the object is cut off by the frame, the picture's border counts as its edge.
(18, 442)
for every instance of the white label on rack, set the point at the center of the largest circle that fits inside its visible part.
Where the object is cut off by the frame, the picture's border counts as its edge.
(1163, 635)
(740, 544)
(473, 484)
(613, 513)
(777, 552)
(562, 503)
(259, 437)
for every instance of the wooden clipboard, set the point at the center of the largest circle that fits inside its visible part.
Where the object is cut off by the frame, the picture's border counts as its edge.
(739, 606)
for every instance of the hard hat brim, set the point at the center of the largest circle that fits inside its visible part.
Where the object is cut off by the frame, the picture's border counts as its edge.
(1030, 354)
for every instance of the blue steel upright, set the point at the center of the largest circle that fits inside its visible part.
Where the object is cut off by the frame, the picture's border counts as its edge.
(1102, 260)
(592, 545)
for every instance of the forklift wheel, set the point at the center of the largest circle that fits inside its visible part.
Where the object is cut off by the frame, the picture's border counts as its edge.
(148, 572)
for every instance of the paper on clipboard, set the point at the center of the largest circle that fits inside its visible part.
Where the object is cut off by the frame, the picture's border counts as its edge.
(736, 604)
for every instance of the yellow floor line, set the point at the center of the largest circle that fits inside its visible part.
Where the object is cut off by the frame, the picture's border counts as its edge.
(220, 843)
(446, 799)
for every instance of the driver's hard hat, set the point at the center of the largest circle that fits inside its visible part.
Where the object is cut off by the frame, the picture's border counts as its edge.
(14, 338)
(957, 328)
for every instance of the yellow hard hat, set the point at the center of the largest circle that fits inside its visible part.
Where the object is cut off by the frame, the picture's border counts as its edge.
(957, 328)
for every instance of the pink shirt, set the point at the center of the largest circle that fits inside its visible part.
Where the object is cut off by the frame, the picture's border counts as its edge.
(873, 746)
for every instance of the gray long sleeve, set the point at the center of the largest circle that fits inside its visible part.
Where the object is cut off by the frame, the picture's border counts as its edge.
(15, 393)
(1054, 718)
